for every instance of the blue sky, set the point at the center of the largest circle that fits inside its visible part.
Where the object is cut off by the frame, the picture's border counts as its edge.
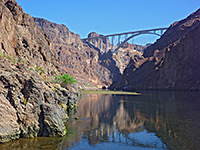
(111, 16)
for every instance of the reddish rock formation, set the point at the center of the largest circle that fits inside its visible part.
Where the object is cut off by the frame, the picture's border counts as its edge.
(171, 63)
(82, 60)
(30, 105)
(77, 58)
(117, 62)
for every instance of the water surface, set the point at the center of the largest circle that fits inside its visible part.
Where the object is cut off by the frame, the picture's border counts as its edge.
(158, 120)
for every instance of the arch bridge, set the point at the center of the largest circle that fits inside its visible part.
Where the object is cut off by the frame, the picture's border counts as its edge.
(103, 41)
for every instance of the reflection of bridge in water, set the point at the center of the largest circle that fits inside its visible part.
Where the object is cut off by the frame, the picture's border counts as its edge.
(111, 134)
(98, 41)
(120, 128)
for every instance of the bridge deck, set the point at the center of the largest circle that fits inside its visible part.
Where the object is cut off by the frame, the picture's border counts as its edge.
(118, 34)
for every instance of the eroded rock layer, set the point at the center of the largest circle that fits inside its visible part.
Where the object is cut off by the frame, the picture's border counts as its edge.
(171, 63)
(30, 105)
(84, 61)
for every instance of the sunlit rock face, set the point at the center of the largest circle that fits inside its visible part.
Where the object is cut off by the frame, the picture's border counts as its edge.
(117, 62)
(29, 103)
(75, 57)
(170, 63)
(88, 63)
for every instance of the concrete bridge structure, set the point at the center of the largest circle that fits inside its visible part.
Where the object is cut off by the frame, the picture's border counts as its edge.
(98, 41)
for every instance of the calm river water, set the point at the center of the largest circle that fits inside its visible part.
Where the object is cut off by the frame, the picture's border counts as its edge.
(151, 121)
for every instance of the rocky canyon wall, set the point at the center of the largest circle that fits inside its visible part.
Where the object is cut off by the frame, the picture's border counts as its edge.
(31, 105)
(84, 61)
(171, 63)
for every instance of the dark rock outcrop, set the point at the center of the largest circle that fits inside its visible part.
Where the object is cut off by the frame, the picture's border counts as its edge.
(31, 105)
(171, 63)
(9, 128)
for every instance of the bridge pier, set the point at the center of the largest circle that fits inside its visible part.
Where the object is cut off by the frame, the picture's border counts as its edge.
(95, 42)
(132, 41)
(106, 45)
(113, 43)
(119, 39)
(161, 32)
(126, 36)
(101, 45)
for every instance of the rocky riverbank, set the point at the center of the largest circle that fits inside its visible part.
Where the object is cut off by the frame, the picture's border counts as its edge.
(32, 107)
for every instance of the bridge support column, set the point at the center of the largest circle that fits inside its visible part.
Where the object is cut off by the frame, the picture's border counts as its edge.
(126, 36)
(95, 42)
(101, 45)
(119, 39)
(161, 32)
(106, 45)
(113, 43)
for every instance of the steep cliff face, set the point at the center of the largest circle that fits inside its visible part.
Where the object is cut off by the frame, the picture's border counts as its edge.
(77, 58)
(127, 53)
(175, 32)
(84, 61)
(172, 62)
(21, 38)
(117, 62)
(30, 105)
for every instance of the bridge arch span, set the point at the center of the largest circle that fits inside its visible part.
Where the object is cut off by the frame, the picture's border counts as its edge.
(130, 37)
(127, 38)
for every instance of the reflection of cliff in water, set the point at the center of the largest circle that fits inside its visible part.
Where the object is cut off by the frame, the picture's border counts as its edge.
(176, 119)
(168, 114)
(110, 121)
(151, 120)
(108, 110)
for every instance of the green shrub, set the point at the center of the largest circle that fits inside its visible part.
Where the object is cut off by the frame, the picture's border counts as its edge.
(31, 69)
(66, 78)
(40, 69)
(1, 54)
(37, 69)
(53, 72)
(7, 57)
(20, 60)
(24, 101)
